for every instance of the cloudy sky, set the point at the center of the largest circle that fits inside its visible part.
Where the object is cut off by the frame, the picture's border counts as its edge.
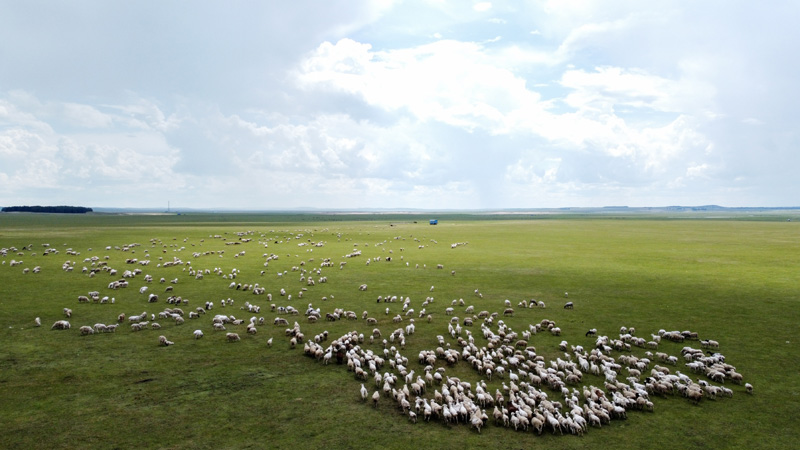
(399, 104)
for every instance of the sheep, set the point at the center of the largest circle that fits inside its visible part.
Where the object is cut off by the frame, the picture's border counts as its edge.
(67, 312)
(60, 325)
(198, 334)
(162, 340)
(84, 330)
(364, 393)
(232, 337)
(569, 305)
(748, 388)
(375, 397)
(37, 322)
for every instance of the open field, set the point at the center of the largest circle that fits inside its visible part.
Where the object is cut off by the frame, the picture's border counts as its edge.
(734, 281)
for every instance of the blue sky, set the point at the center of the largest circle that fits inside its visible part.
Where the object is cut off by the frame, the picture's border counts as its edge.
(399, 104)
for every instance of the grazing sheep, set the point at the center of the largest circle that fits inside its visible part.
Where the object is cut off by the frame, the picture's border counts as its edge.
(569, 305)
(67, 312)
(232, 337)
(84, 330)
(162, 340)
(60, 325)
(748, 388)
(198, 334)
(375, 397)
(37, 322)
(269, 342)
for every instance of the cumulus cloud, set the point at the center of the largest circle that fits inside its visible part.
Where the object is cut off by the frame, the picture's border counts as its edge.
(453, 82)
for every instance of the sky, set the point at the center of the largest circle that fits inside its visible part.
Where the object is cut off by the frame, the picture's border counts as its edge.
(431, 104)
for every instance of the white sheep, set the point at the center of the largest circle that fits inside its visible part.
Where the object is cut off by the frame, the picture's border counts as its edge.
(375, 397)
(232, 337)
(198, 334)
(37, 322)
(60, 325)
(162, 340)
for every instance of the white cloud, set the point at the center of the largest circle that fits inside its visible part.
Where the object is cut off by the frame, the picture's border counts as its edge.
(85, 116)
(482, 6)
(697, 171)
(453, 82)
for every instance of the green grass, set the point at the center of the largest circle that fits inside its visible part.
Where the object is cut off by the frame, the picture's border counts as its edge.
(735, 281)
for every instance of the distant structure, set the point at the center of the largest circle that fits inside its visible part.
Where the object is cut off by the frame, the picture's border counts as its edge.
(434, 221)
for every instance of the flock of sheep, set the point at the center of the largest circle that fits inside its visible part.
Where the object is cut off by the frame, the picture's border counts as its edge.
(595, 379)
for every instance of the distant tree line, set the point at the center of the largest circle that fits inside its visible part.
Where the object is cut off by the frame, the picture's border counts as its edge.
(48, 209)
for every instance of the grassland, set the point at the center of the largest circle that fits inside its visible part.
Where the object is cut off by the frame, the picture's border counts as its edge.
(735, 281)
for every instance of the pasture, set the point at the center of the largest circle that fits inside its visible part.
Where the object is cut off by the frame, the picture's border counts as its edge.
(732, 281)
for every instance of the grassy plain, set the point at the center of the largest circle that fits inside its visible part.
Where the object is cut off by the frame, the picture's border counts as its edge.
(735, 281)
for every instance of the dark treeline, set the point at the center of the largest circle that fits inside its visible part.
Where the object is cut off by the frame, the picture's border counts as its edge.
(48, 209)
